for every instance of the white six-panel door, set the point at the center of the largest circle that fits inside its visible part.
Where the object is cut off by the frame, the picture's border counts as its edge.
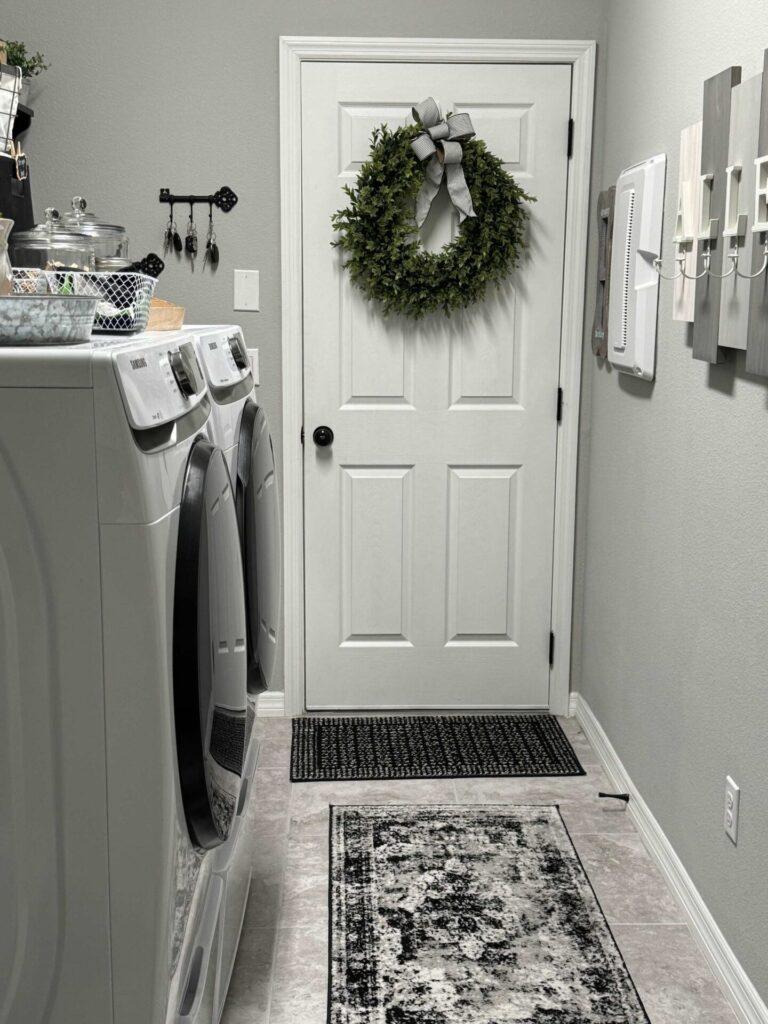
(429, 520)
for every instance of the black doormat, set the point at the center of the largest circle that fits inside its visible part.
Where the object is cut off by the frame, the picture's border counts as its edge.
(430, 747)
(462, 914)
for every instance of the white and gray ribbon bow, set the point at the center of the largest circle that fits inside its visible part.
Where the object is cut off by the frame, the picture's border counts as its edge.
(441, 142)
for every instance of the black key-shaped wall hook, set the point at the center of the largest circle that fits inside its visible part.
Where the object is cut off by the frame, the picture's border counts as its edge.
(223, 199)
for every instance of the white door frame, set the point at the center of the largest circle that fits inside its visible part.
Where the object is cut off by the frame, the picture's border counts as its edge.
(294, 50)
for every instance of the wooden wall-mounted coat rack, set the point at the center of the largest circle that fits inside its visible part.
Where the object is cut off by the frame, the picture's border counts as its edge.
(721, 246)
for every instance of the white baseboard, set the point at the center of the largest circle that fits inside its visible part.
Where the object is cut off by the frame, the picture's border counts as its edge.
(271, 704)
(573, 704)
(737, 988)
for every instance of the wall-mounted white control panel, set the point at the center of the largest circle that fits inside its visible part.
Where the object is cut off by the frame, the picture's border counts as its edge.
(634, 295)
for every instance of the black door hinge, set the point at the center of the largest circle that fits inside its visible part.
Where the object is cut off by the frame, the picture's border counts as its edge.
(551, 649)
(570, 138)
(559, 405)
(301, 436)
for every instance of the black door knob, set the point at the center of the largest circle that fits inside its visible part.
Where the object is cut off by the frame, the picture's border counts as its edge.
(322, 436)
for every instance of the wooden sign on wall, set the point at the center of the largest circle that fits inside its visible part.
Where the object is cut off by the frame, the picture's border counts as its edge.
(686, 224)
(605, 204)
(715, 137)
(757, 331)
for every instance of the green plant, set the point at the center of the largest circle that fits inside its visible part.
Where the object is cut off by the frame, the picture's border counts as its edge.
(383, 251)
(31, 64)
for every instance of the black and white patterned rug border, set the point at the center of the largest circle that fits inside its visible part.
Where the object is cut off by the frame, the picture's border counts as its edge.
(555, 757)
(391, 808)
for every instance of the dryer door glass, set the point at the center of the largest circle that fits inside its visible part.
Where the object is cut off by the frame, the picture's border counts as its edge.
(209, 649)
(258, 517)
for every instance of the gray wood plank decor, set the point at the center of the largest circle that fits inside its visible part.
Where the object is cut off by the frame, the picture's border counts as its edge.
(757, 330)
(605, 203)
(714, 159)
(735, 289)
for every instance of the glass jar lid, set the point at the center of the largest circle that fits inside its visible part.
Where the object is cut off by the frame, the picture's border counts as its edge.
(50, 232)
(81, 222)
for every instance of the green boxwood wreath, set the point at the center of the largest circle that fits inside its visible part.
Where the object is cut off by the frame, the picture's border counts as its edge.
(382, 248)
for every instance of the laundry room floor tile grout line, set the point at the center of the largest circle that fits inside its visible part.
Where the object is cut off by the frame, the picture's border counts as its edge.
(276, 930)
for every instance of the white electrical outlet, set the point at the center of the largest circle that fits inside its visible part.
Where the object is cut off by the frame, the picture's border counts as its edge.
(731, 822)
(247, 290)
(253, 353)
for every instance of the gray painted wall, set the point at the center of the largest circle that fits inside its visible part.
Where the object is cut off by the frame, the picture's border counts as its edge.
(673, 526)
(184, 94)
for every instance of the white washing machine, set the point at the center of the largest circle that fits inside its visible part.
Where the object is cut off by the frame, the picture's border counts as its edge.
(123, 708)
(239, 426)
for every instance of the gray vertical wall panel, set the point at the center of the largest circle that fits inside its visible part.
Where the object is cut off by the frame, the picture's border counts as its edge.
(714, 159)
(757, 335)
(735, 290)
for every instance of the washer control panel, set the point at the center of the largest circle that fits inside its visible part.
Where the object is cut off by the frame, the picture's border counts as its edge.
(224, 356)
(159, 384)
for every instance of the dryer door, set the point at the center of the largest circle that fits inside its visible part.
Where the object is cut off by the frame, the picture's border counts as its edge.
(209, 649)
(258, 517)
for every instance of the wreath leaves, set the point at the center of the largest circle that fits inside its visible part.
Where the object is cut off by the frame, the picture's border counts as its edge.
(382, 248)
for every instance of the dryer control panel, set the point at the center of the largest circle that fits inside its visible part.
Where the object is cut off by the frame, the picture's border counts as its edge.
(159, 384)
(224, 356)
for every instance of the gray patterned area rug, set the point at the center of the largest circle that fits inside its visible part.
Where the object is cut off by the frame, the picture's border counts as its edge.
(468, 915)
(429, 747)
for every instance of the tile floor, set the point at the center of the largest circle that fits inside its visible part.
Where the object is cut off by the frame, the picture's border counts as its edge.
(281, 969)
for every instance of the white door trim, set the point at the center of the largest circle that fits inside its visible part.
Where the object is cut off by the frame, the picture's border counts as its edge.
(294, 50)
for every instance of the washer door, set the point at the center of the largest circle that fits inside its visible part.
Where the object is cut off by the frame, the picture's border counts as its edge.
(258, 518)
(209, 649)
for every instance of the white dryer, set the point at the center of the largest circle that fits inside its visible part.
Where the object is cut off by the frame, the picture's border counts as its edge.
(222, 353)
(239, 426)
(123, 710)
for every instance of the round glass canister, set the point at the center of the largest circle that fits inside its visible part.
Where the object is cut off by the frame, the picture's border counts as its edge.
(109, 240)
(48, 246)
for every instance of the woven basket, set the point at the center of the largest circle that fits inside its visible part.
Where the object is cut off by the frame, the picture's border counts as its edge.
(165, 316)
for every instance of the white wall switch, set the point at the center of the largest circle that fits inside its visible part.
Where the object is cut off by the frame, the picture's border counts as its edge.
(731, 822)
(247, 290)
(253, 355)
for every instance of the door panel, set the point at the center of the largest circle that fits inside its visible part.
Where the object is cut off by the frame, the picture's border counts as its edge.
(429, 521)
(376, 531)
(482, 512)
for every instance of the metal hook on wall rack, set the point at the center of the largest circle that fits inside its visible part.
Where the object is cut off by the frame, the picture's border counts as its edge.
(684, 243)
(679, 260)
(707, 255)
(763, 268)
(733, 256)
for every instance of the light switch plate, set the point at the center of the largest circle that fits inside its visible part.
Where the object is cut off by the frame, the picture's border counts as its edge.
(247, 290)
